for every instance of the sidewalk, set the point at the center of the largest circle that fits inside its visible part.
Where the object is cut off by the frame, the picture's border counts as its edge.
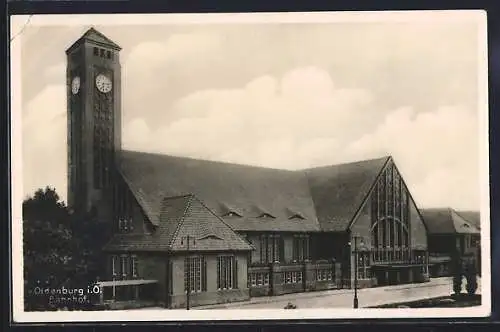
(343, 298)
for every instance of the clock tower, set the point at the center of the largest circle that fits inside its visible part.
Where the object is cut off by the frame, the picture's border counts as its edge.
(94, 119)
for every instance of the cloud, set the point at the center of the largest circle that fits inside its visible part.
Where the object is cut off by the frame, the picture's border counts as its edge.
(44, 141)
(303, 120)
(176, 47)
(277, 123)
(437, 153)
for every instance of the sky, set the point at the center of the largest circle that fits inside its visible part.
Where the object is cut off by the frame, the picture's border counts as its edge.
(283, 95)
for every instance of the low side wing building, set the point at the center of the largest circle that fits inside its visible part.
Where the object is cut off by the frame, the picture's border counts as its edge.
(452, 235)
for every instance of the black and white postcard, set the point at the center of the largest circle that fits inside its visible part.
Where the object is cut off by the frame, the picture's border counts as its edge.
(205, 167)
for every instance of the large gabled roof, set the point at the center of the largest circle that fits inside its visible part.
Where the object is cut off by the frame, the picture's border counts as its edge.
(182, 217)
(251, 198)
(338, 191)
(247, 191)
(447, 221)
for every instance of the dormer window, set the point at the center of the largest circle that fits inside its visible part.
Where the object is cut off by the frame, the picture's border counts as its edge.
(296, 216)
(231, 214)
(466, 225)
(210, 237)
(266, 215)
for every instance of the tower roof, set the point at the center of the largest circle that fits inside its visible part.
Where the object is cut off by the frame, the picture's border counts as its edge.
(95, 37)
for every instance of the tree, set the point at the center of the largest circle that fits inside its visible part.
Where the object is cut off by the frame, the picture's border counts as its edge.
(60, 247)
(47, 243)
(90, 236)
(471, 272)
(457, 273)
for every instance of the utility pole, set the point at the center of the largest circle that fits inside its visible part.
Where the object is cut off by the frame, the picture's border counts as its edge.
(188, 294)
(355, 304)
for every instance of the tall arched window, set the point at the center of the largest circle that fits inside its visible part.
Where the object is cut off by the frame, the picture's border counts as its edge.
(390, 230)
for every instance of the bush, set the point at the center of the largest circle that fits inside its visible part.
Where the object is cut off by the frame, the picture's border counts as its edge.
(457, 283)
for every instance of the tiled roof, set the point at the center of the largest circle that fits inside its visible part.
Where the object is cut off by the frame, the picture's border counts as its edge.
(223, 187)
(179, 218)
(447, 221)
(325, 198)
(339, 190)
(472, 216)
(97, 37)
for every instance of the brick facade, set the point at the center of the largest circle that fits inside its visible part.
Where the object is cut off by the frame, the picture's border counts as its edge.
(212, 295)
(277, 279)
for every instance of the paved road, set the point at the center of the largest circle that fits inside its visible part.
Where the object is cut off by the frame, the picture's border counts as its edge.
(344, 298)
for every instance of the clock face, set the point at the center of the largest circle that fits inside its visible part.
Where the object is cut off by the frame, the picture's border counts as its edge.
(75, 85)
(103, 83)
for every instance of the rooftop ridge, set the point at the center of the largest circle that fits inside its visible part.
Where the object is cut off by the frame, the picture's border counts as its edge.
(387, 157)
(220, 162)
(180, 223)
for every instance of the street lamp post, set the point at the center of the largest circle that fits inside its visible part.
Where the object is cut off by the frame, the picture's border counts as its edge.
(355, 300)
(355, 304)
(188, 267)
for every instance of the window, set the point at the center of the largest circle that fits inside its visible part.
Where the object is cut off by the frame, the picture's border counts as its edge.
(259, 279)
(468, 241)
(271, 248)
(134, 266)
(324, 274)
(252, 279)
(114, 266)
(96, 51)
(108, 54)
(293, 277)
(300, 248)
(363, 266)
(195, 274)
(125, 224)
(124, 265)
(231, 214)
(101, 53)
(227, 271)
(389, 210)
